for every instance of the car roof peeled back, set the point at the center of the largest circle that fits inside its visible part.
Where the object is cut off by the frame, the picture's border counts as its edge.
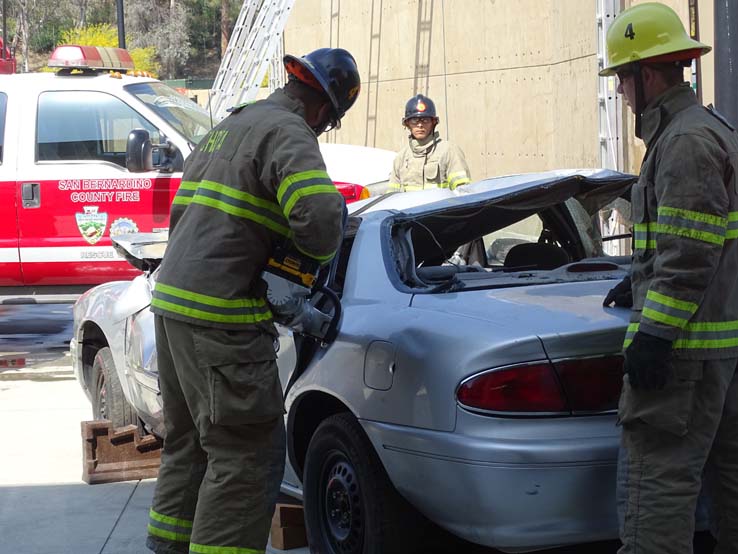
(437, 224)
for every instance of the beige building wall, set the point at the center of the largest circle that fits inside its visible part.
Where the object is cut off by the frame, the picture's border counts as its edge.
(514, 81)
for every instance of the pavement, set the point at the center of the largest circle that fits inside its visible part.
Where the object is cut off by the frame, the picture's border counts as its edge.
(45, 507)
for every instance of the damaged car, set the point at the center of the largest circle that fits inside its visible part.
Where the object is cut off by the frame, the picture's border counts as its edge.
(471, 377)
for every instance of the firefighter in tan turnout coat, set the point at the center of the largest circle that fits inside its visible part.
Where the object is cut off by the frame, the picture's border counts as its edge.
(427, 161)
(254, 181)
(679, 404)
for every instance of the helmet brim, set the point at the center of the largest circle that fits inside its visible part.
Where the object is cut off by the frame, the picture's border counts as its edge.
(289, 59)
(697, 48)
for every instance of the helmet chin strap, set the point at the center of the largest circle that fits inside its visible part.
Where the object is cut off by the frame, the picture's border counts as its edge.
(640, 97)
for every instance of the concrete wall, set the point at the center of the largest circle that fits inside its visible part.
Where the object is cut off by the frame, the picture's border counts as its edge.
(514, 81)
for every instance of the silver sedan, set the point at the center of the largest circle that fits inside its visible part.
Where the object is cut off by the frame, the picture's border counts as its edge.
(474, 377)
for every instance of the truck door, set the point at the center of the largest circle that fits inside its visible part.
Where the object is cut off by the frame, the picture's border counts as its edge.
(10, 273)
(78, 193)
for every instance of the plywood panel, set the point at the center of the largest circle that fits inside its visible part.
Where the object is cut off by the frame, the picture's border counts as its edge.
(514, 81)
(576, 120)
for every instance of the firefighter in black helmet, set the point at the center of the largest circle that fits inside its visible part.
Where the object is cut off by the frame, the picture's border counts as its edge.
(254, 181)
(426, 161)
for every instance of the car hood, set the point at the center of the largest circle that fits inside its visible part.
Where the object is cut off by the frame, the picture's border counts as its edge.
(567, 317)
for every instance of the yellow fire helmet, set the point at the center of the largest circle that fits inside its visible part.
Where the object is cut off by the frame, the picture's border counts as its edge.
(649, 32)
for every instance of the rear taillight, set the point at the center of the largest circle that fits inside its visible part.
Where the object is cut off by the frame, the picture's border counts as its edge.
(531, 388)
(591, 384)
(576, 386)
(352, 192)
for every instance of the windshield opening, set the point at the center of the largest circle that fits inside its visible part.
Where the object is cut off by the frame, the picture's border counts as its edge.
(189, 119)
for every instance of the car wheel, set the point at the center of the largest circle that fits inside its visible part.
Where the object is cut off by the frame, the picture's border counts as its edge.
(108, 399)
(350, 504)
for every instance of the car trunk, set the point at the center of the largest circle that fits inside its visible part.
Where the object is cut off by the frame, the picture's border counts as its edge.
(567, 317)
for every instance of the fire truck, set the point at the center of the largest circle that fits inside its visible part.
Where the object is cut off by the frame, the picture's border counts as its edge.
(73, 175)
(7, 59)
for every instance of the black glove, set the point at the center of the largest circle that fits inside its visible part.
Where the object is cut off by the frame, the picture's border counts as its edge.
(621, 294)
(648, 362)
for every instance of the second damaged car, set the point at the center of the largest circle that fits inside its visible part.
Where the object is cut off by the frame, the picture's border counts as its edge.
(472, 377)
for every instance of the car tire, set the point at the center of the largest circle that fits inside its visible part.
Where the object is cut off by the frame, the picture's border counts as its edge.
(109, 402)
(350, 504)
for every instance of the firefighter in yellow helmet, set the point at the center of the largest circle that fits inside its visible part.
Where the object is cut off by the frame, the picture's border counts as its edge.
(255, 181)
(426, 161)
(679, 403)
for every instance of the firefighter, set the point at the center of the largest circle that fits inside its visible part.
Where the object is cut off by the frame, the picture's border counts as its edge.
(679, 403)
(427, 161)
(256, 179)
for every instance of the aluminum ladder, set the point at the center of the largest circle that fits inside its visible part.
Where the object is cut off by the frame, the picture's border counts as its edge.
(256, 38)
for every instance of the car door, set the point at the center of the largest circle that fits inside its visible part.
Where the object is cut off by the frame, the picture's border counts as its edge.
(77, 192)
(10, 272)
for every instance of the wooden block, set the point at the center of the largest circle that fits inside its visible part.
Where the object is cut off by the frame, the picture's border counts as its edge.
(110, 455)
(288, 515)
(287, 538)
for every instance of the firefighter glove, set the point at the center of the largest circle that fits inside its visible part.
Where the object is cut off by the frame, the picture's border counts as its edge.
(648, 362)
(621, 294)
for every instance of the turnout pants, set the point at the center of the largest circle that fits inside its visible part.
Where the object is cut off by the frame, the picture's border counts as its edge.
(669, 438)
(224, 450)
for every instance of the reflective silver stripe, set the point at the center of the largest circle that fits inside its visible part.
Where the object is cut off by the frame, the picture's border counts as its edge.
(732, 231)
(632, 330)
(691, 224)
(169, 528)
(209, 308)
(234, 202)
(664, 309)
(305, 183)
(641, 233)
(708, 334)
(702, 335)
(185, 192)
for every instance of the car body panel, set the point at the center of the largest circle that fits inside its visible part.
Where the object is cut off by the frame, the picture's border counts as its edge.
(517, 482)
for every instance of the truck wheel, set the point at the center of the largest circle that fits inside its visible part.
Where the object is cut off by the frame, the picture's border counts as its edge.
(350, 504)
(108, 399)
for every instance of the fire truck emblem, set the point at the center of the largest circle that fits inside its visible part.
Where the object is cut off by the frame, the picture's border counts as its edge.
(91, 224)
(121, 226)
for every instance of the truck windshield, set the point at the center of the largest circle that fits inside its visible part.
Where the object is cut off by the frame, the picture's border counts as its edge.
(176, 109)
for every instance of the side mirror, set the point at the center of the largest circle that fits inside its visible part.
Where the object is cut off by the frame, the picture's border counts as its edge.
(142, 155)
(139, 151)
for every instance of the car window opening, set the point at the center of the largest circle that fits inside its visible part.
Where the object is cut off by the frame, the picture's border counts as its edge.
(499, 246)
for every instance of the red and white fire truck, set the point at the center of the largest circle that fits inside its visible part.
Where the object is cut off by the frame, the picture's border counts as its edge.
(66, 183)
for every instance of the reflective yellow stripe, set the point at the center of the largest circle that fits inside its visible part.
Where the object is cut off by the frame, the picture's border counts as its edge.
(698, 335)
(691, 224)
(234, 202)
(308, 191)
(169, 535)
(301, 185)
(671, 302)
(208, 316)
(209, 308)
(458, 178)
(169, 520)
(321, 259)
(205, 549)
(732, 231)
(704, 236)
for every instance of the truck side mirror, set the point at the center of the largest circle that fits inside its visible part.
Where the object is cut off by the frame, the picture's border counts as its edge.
(139, 151)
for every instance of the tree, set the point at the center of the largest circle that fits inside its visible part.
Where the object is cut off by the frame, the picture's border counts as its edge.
(162, 25)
